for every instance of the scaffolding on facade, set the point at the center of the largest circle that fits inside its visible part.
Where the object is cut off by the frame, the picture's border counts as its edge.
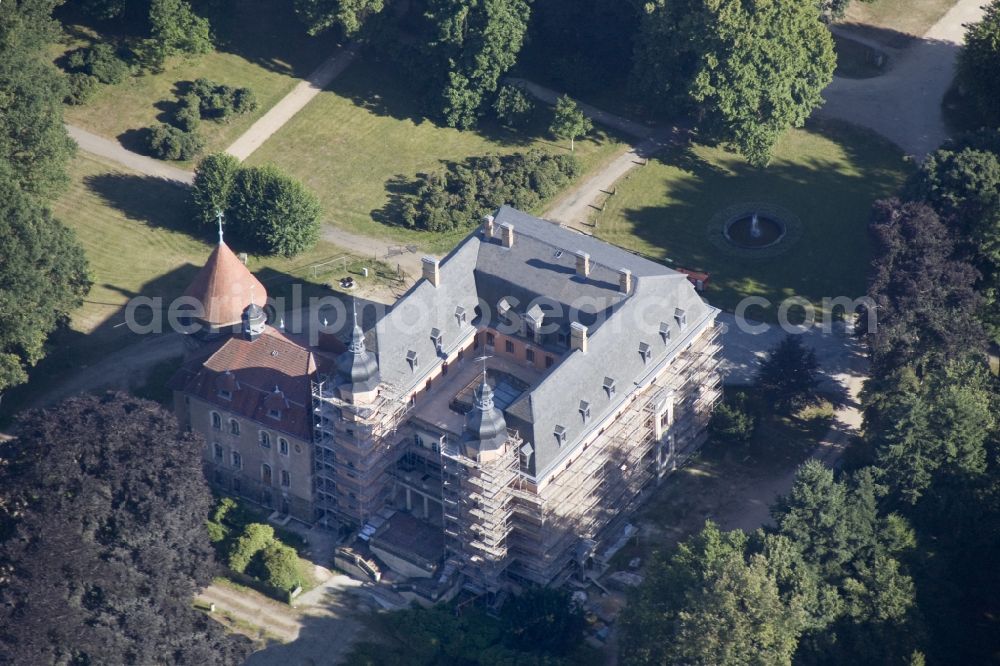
(477, 500)
(353, 447)
(612, 472)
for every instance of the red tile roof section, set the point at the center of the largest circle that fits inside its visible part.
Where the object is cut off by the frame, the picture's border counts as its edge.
(258, 366)
(224, 287)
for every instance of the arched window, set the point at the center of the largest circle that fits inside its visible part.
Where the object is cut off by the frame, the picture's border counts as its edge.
(265, 439)
(216, 421)
(265, 474)
(283, 446)
(234, 426)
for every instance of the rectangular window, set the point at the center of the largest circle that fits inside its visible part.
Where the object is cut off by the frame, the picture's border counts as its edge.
(549, 362)
(491, 339)
(237, 460)
(530, 355)
(218, 452)
(509, 346)
(286, 479)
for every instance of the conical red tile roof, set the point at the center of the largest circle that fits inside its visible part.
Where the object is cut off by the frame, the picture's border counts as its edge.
(225, 287)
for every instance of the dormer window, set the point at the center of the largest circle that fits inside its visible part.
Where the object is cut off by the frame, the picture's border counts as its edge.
(560, 434)
(585, 410)
(460, 315)
(274, 413)
(411, 358)
(665, 332)
(225, 394)
(680, 317)
(609, 387)
(645, 351)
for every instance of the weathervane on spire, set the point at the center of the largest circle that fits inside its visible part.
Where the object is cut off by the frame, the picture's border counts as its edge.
(218, 216)
(483, 358)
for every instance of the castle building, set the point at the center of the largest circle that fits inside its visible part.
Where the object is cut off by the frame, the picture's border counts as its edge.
(500, 421)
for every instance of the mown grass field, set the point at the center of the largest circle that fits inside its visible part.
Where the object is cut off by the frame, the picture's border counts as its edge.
(895, 22)
(259, 45)
(827, 175)
(138, 239)
(354, 144)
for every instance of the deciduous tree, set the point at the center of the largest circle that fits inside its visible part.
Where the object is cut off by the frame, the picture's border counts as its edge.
(979, 64)
(746, 71)
(568, 121)
(103, 540)
(43, 276)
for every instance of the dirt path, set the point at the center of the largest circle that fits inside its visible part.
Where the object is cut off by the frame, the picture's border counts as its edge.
(274, 618)
(904, 104)
(122, 370)
(292, 103)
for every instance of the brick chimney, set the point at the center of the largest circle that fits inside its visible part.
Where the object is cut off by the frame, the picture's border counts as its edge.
(624, 280)
(431, 270)
(507, 234)
(582, 264)
(488, 227)
(578, 336)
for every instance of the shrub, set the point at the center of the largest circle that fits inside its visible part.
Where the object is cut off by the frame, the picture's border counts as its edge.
(461, 194)
(280, 566)
(216, 531)
(100, 61)
(513, 106)
(244, 101)
(187, 115)
(219, 101)
(255, 538)
(170, 143)
(273, 212)
(213, 184)
(80, 87)
(732, 421)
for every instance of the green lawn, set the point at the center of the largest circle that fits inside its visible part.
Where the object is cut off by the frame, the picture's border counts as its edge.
(260, 45)
(895, 22)
(134, 231)
(354, 143)
(828, 176)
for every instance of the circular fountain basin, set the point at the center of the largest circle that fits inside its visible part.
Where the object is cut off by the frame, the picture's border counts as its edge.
(740, 231)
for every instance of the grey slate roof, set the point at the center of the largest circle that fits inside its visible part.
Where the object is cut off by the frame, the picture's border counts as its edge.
(540, 270)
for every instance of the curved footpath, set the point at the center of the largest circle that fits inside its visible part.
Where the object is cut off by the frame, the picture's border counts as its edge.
(904, 104)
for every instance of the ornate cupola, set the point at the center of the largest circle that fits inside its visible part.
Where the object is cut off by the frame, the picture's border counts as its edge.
(485, 427)
(224, 288)
(254, 321)
(357, 366)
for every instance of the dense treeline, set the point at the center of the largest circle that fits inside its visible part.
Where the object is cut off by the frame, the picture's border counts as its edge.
(740, 73)
(103, 542)
(460, 194)
(540, 627)
(43, 271)
(893, 561)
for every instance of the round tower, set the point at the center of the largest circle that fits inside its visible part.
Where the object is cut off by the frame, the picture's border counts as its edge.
(485, 427)
(357, 368)
(224, 289)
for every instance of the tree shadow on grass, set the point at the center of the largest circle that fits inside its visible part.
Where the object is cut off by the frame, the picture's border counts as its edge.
(831, 193)
(136, 140)
(155, 202)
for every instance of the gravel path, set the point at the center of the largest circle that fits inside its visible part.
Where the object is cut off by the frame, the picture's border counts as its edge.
(292, 103)
(113, 151)
(904, 104)
(574, 207)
